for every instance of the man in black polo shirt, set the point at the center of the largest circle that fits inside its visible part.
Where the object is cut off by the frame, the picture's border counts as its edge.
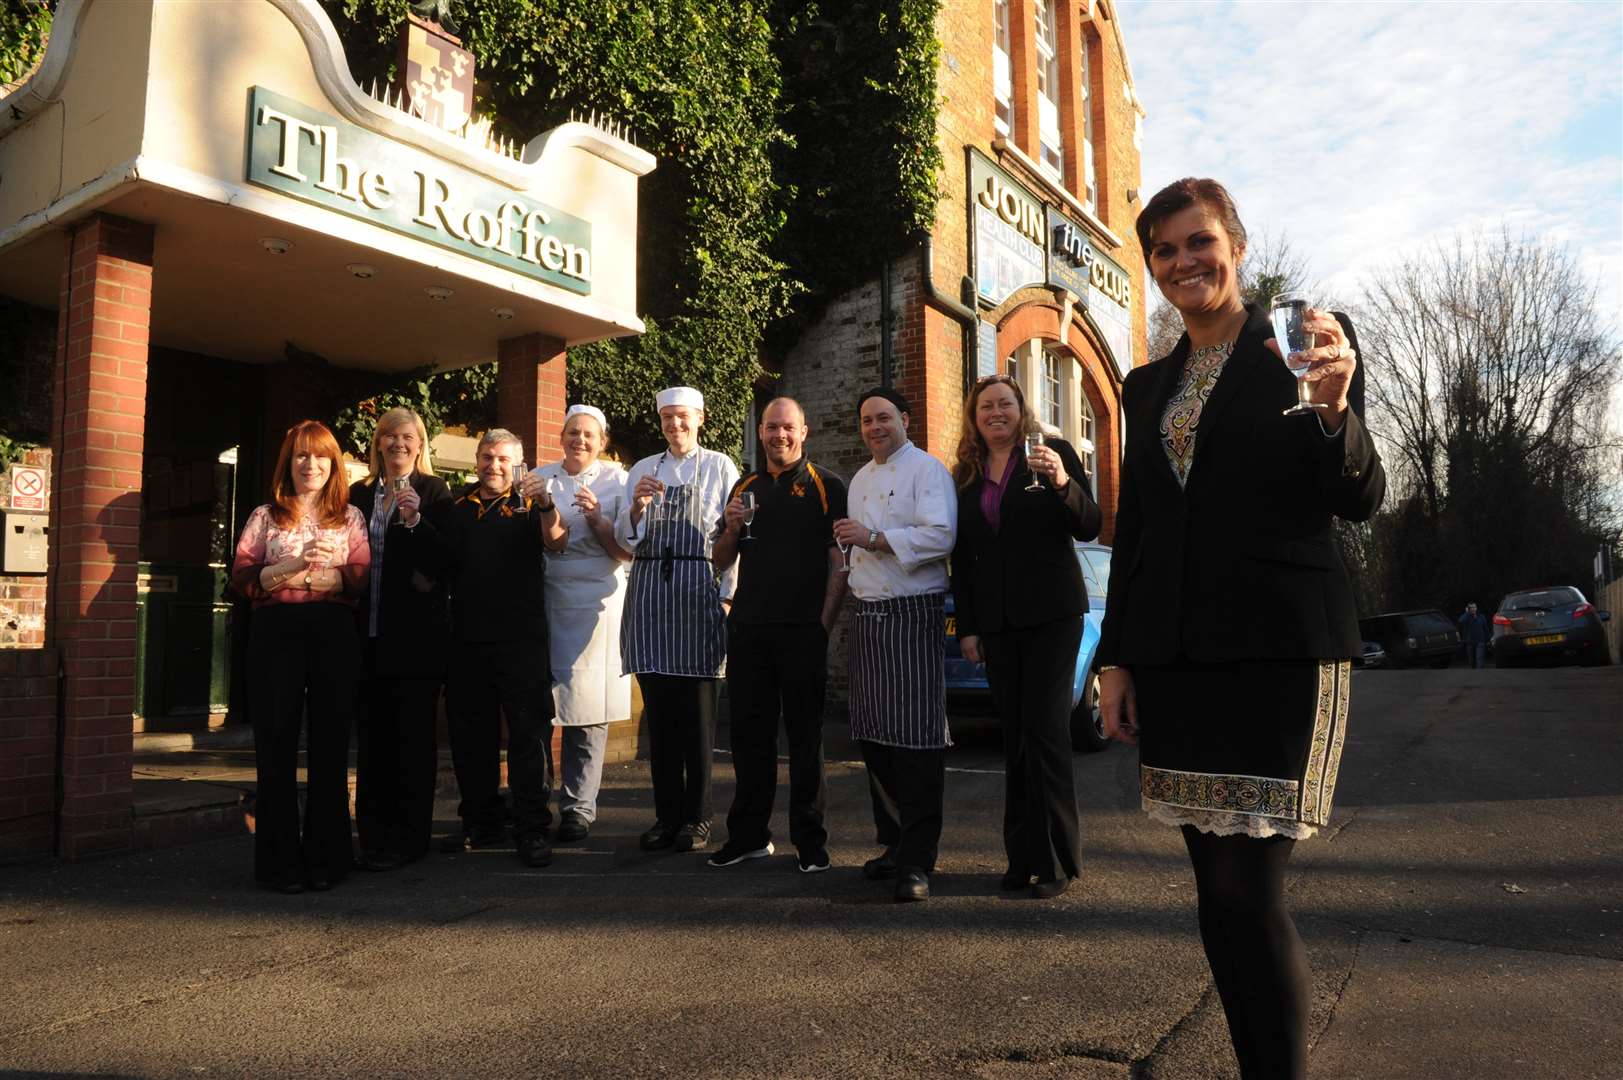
(789, 592)
(493, 536)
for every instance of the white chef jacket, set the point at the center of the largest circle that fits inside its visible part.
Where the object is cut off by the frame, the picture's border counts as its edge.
(910, 498)
(713, 474)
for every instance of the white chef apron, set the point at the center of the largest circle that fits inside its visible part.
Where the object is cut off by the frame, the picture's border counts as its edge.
(585, 594)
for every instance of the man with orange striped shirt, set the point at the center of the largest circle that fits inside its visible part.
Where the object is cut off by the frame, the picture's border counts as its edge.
(790, 587)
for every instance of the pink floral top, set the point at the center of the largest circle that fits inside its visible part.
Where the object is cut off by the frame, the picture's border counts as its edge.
(263, 542)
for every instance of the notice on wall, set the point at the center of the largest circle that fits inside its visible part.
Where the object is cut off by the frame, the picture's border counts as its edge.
(27, 487)
(986, 358)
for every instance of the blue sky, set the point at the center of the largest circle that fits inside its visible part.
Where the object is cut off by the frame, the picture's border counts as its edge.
(1365, 131)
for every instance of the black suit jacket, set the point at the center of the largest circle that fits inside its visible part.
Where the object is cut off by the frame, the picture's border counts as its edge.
(411, 618)
(1240, 563)
(1026, 573)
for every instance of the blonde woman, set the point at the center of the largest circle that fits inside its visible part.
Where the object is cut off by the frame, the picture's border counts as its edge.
(402, 625)
(585, 590)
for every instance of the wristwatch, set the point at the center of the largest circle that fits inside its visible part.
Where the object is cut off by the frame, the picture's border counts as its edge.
(873, 539)
(309, 579)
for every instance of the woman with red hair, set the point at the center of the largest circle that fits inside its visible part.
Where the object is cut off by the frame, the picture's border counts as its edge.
(302, 560)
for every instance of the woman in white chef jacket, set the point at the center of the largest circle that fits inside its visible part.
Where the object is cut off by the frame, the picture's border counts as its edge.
(585, 590)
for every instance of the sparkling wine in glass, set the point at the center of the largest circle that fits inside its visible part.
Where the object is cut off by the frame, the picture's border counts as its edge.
(845, 557)
(1287, 312)
(748, 499)
(1034, 439)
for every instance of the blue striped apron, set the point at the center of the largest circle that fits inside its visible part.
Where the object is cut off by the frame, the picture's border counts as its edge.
(897, 690)
(673, 622)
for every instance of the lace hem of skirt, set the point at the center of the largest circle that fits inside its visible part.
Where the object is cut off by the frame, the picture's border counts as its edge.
(1227, 823)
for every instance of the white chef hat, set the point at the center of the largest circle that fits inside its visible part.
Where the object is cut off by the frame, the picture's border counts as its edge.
(679, 395)
(587, 410)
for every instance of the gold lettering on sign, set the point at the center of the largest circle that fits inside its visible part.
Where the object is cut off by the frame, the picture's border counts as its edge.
(287, 152)
(1013, 207)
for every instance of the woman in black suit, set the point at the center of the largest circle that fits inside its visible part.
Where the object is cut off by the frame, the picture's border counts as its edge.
(1019, 598)
(402, 622)
(1230, 622)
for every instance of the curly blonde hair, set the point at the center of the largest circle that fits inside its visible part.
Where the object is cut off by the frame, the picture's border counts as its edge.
(971, 456)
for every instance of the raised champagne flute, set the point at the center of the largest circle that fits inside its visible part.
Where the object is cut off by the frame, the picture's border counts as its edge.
(1034, 439)
(845, 557)
(748, 499)
(1287, 311)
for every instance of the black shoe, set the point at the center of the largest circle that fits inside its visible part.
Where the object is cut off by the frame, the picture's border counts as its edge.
(1047, 890)
(535, 852)
(657, 838)
(694, 836)
(380, 861)
(884, 866)
(320, 884)
(732, 854)
(1012, 881)
(290, 888)
(491, 836)
(455, 844)
(572, 829)
(913, 885)
(814, 862)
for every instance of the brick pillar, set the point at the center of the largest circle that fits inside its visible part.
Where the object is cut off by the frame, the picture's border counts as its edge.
(1023, 74)
(96, 443)
(530, 396)
(1069, 41)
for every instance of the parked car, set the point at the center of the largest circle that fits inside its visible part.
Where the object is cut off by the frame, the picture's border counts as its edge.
(1554, 623)
(1426, 636)
(967, 691)
(1373, 656)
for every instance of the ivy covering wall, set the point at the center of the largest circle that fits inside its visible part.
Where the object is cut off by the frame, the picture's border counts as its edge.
(796, 147)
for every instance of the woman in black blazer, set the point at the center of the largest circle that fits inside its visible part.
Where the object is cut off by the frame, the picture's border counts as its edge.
(1230, 621)
(1019, 599)
(402, 622)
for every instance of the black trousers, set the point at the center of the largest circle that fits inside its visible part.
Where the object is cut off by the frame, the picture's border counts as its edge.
(1259, 964)
(491, 681)
(772, 671)
(1030, 672)
(304, 660)
(907, 787)
(681, 714)
(397, 757)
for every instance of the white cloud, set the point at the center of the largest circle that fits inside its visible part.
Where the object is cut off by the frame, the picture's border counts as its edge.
(1364, 132)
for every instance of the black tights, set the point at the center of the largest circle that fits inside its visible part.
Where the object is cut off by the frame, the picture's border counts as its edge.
(1258, 962)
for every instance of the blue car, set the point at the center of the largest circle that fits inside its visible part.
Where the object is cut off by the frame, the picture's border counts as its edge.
(967, 692)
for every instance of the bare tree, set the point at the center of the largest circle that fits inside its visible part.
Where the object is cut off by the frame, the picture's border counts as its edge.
(1490, 374)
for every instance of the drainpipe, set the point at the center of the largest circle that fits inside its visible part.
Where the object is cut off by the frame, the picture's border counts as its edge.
(962, 310)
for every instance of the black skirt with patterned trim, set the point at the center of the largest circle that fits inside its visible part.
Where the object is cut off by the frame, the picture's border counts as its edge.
(1247, 747)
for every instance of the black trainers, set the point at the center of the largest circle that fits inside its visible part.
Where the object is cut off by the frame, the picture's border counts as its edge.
(535, 852)
(694, 836)
(658, 837)
(814, 862)
(732, 854)
(881, 867)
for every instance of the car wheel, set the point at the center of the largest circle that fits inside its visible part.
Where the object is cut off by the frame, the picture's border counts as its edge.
(1600, 655)
(1086, 720)
(1442, 662)
(1503, 662)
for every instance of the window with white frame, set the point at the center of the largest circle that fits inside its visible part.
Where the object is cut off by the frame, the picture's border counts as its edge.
(1085, 430)
(1050, 392)
(1089, 191)
(1002, 73)
(1052, 158)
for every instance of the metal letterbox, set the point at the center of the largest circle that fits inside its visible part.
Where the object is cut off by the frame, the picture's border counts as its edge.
(24, 543)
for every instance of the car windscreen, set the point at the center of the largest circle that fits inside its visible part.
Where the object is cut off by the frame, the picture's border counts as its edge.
(1095, 569)
(1540, 599)
(1428, 623)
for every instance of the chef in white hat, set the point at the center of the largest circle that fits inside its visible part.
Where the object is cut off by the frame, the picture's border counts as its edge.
(672, 634)
(585, 592)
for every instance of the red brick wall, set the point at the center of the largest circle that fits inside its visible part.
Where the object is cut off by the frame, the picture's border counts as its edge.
(28, 685)
(97, 443)
(530, 394)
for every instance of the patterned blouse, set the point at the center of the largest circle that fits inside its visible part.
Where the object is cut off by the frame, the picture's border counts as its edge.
(1182, 415)
(263, 542)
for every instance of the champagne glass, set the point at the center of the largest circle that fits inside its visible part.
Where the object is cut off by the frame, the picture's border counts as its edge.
(519, 474)
(1034, 439)
(748, 499)
(845, 557)
(1287, 311)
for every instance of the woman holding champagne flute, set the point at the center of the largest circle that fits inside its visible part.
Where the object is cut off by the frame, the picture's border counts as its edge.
(301, 561)
(585, 591)
(403, 627)
(1019, 601)
(1230, 621)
